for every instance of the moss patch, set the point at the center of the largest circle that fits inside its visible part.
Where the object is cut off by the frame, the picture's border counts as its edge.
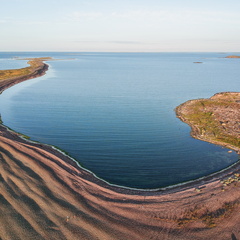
(34, 63)
(215, 120)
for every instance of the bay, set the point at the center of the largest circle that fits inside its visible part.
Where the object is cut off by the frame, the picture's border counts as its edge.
(114, 112)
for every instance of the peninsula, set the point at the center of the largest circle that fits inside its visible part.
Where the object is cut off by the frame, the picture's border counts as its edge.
(215, 120)
(47, 195)
(11, 77)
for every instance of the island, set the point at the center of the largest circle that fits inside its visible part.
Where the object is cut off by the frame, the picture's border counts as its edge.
(233, 56)
(45, 194)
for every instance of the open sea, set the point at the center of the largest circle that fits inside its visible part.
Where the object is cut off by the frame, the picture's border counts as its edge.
(114, 112)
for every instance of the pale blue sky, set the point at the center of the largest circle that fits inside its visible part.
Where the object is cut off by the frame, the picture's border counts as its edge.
(120, 25)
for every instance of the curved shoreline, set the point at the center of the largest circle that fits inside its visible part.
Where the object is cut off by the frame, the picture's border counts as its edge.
(46, 195)
(228, 100)
(35, 70)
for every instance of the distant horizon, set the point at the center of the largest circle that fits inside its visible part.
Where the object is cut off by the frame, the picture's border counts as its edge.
(220, 52)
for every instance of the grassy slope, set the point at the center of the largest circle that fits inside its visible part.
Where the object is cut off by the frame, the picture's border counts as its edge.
(15, 73)
(214, 120)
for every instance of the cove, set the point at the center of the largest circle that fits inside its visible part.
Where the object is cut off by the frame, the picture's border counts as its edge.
(114, 113)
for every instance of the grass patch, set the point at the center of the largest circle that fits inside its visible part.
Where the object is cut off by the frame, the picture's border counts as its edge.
(214, 119)
(34, 63)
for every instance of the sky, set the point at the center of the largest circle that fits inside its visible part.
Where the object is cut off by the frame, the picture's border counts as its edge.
(120, 25)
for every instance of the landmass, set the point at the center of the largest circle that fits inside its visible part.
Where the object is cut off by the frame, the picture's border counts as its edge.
(233, 56)
(215, 120)
(11, 77)
(46, 195)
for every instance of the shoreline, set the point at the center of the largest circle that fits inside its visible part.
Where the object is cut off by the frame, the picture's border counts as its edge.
(47, 195)
(90, 176)
(196, 132)
(34, 71)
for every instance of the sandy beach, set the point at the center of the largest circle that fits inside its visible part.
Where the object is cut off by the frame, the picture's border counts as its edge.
(46, 195)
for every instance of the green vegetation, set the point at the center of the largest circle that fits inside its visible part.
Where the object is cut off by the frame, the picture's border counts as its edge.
(214, 120)
(34, 63)
(203, 119)
(12, 73)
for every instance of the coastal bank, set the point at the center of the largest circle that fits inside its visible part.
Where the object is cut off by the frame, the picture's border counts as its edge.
(47, 195)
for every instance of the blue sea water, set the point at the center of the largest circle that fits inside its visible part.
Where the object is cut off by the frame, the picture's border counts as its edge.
(114, 112)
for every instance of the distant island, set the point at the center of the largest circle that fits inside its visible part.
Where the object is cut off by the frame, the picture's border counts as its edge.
(233, 56)
(45, 194)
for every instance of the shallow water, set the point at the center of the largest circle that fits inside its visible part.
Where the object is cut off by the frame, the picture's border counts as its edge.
(114, 112)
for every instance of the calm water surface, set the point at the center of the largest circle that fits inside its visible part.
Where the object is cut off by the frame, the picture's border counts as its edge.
(114, 112)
